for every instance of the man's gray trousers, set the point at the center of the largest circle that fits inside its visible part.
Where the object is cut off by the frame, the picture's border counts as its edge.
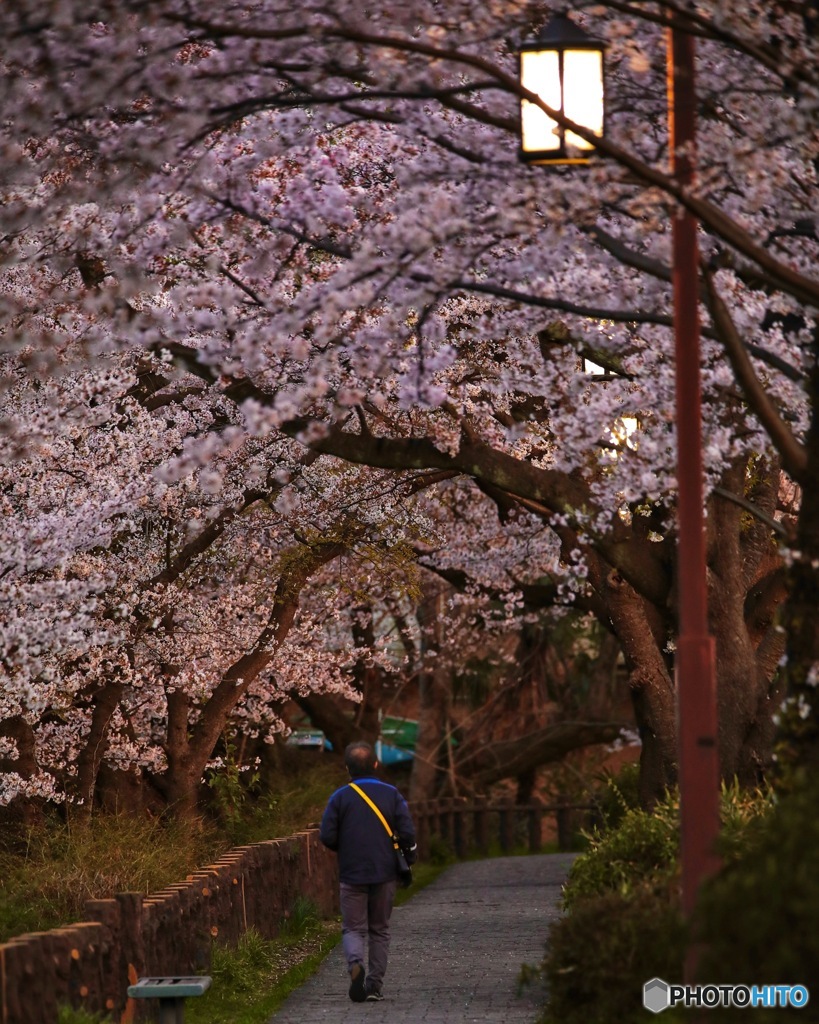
(365, 912)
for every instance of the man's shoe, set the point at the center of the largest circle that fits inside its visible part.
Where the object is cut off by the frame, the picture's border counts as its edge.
(357, 991)
(374, 996)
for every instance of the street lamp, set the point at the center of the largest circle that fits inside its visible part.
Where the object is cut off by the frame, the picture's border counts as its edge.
(564, 67)
(695, 661)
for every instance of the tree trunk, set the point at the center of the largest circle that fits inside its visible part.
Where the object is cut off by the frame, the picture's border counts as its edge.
(181, 780)
(369, 678)
(652, 688)
(435, 683)
(325, 715)
(105, 702)
(798, 746)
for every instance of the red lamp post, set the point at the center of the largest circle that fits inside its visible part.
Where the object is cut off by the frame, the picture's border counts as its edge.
(696, 658)
(698, 754)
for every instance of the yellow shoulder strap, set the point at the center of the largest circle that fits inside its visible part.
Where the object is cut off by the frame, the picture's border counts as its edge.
(381, 817)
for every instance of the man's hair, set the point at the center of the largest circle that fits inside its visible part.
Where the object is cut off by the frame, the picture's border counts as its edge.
(359, 758)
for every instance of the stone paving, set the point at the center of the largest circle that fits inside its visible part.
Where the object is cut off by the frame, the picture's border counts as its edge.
(457, 949)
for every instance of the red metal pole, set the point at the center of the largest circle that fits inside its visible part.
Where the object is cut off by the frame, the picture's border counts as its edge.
(695, 659)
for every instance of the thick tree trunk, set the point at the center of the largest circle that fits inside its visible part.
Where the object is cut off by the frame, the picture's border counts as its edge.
(798, 747)
(652, 688)
(181, 780)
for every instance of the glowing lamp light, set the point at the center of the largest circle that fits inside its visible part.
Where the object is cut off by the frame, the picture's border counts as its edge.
(564, 67)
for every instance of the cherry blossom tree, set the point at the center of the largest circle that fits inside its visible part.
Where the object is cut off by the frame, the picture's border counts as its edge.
(263, 233)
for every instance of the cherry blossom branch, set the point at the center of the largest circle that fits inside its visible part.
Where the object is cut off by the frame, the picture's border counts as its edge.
(804, 288)
(794, 457)
(239, 676)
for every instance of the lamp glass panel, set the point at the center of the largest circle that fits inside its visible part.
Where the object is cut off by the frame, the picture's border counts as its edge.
(540, 73)
(583, 93)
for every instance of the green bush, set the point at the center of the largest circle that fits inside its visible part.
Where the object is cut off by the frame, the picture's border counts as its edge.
(615, 795)
(600, 955)
(758, 916)
(643, 846)
(743, 813)
(624, 924)
(440, 851)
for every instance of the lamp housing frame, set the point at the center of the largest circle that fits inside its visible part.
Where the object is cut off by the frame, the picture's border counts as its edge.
(560, 34)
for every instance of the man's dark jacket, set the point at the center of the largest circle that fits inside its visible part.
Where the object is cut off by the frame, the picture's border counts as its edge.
(349, 826)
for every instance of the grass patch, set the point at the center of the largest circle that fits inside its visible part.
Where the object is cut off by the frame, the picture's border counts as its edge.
(252, 980)
(48, 871)
(67, 1015)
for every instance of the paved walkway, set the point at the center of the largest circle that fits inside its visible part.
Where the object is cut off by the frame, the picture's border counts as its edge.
(457, 949)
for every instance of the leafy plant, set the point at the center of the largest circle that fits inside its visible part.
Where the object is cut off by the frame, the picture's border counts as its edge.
(303, 916)
(757, 918)
(600, 955)
(624, 893)
(618, 794)
(644, 845)
(231, 782)
(440, 851)
(68, 1015)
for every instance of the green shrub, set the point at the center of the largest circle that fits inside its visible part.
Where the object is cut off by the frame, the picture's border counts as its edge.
(615, 795)
(758, 916)
(643, 846)
(600, 955)
(743, 813)
(440, 851)
(624, 925)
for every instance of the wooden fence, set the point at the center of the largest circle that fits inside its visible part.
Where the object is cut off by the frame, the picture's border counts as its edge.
(90, 964)
(468, 827)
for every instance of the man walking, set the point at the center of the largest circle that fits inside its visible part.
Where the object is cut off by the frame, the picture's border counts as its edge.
(367, 865)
